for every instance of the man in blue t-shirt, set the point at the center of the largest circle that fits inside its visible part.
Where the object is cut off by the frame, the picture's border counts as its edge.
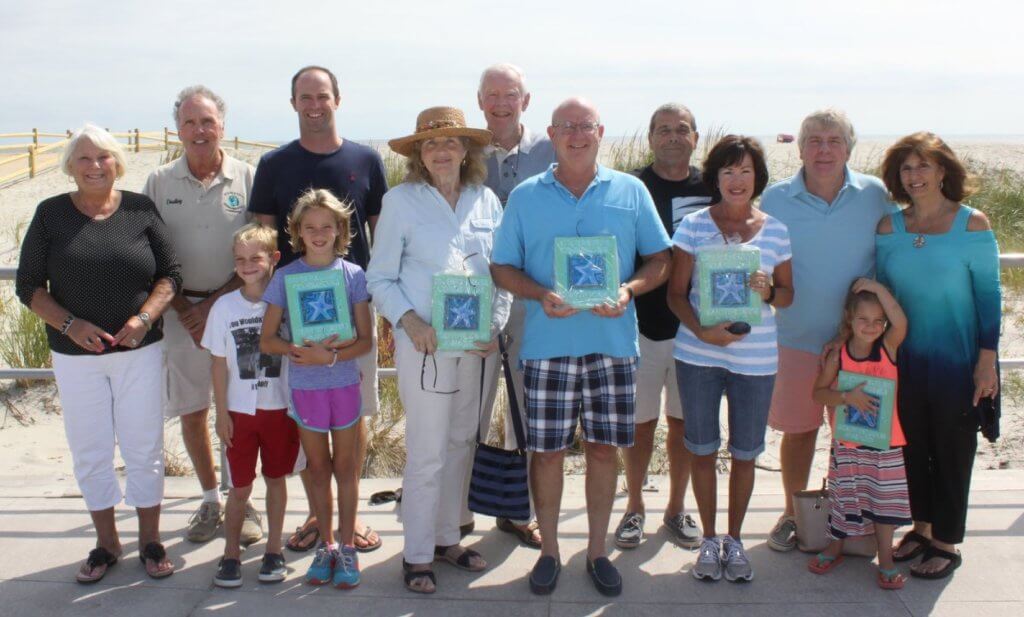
(580, 365)
(321, 159)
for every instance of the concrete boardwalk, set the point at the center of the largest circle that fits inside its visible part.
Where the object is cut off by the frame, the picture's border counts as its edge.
(45, 533)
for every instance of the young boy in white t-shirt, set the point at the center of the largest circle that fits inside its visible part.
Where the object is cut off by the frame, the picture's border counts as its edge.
(251, 393)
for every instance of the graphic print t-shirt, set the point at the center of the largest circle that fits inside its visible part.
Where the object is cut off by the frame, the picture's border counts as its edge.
(255, 380)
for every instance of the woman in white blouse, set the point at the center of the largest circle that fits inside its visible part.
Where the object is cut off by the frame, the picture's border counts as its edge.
(440, 219)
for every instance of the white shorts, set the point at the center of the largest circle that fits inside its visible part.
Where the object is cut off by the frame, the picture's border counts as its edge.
(107, 400)
(187, 370)
(656, 388)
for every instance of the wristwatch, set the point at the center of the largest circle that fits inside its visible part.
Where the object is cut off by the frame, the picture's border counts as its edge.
(146, 320)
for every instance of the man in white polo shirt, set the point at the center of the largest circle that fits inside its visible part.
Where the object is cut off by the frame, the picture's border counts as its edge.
(203, 198)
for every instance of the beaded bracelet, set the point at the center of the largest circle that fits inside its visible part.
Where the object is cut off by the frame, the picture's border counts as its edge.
(70, 319)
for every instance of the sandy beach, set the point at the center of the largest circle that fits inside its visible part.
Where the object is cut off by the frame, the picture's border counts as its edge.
(31, 433)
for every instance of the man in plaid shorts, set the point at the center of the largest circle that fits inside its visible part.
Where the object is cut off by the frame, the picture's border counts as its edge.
(580, 365)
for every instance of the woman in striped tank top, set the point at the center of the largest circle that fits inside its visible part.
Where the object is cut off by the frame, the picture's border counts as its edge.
(867, 486)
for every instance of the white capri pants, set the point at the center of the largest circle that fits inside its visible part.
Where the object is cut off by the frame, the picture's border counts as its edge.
(440, 437)
(108, 399)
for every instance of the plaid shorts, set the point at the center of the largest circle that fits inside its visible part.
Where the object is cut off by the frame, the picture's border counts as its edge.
(556, 389)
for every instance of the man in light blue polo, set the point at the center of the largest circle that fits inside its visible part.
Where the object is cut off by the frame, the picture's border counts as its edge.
(516, 154)
(831, 212)
(579, 365)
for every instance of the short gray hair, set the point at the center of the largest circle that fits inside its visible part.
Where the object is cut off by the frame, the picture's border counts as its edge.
(504, 68)
(203, 91)
(98, 137)
(675, 108)
(828, 118)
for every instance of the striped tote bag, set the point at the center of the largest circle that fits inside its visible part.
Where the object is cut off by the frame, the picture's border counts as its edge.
(499, 484)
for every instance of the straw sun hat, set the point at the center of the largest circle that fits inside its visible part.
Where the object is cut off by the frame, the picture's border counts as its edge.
(439, 122)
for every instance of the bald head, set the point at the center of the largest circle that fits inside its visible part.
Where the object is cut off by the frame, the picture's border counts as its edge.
(575, 106)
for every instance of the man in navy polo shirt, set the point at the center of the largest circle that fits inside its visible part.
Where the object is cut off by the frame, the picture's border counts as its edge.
(321, 159)
(579, 365)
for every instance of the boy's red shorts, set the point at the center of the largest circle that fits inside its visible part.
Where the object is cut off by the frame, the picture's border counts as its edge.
(272, 435)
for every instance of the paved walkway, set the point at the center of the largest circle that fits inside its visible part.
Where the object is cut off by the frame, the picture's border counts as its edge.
(45, 533)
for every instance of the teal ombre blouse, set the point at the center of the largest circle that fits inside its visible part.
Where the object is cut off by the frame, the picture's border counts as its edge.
(948, 287)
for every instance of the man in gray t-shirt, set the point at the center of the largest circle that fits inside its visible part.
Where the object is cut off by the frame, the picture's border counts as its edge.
(515, 155)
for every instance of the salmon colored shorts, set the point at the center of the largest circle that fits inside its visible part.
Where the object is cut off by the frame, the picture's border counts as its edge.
(793, 409)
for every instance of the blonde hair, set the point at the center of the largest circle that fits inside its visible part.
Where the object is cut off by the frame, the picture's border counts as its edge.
(472, 172)
(98, 137)
(321, 198)
(259, 234)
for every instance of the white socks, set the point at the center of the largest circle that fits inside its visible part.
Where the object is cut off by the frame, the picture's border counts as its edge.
(212, 495)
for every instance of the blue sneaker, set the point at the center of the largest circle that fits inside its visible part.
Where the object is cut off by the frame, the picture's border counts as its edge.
(322, 568)
(346, 568)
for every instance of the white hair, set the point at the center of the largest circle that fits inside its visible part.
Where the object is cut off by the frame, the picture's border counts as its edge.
(504, 68)
(203, 91)
(98, 137)
(827, 118)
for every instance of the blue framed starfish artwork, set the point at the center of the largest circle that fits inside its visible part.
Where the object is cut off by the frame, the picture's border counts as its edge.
(862, 427)
(587, 270)
(318, 305)
(722, 274)
(460, 310)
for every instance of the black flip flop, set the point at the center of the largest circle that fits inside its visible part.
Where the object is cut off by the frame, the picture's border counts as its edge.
(98, 556)
(605, 576)
(410, 576)
(544, 576)
(154, 551)
(923, 544)
(463, 561)
(955, 559)
(303, 533)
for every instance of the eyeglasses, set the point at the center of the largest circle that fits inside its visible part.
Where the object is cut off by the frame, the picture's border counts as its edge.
(423, 372)
(568, 128)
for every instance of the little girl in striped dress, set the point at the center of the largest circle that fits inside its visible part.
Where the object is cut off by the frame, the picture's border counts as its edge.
(867, 487)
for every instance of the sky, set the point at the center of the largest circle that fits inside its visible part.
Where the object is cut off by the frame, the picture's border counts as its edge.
(896, 66)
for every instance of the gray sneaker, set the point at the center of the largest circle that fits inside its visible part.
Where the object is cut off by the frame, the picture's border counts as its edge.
(252, 525)
(684, 530)
(709, 562)
(782, 537)
(734, 558)
(630, 532)
(204, 523)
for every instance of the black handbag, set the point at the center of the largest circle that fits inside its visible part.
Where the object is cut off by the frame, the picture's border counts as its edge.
(499, 485)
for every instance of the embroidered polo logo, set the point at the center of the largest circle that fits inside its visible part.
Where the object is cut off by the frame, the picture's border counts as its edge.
(173, 202)
(233, 201)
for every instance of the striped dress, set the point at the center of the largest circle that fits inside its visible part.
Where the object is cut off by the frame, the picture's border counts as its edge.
(758, 352)
(866, 485)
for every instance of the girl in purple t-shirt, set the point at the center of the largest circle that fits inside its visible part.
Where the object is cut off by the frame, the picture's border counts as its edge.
(324, 379)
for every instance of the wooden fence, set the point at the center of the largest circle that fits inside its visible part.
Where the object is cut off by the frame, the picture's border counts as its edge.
(26, 159)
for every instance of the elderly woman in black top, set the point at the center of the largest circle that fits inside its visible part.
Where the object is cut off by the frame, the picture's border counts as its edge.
(97, 267)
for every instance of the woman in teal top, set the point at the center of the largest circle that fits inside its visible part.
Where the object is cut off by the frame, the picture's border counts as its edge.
(941, 260)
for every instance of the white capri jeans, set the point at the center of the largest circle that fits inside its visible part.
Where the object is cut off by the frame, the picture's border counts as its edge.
(108, 399)
(440, 438)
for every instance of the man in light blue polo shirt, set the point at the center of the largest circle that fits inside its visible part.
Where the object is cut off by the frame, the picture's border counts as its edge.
(578, 361)
(831, 212)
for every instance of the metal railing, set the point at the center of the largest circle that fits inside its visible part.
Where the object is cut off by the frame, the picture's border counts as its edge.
(1008, 260)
